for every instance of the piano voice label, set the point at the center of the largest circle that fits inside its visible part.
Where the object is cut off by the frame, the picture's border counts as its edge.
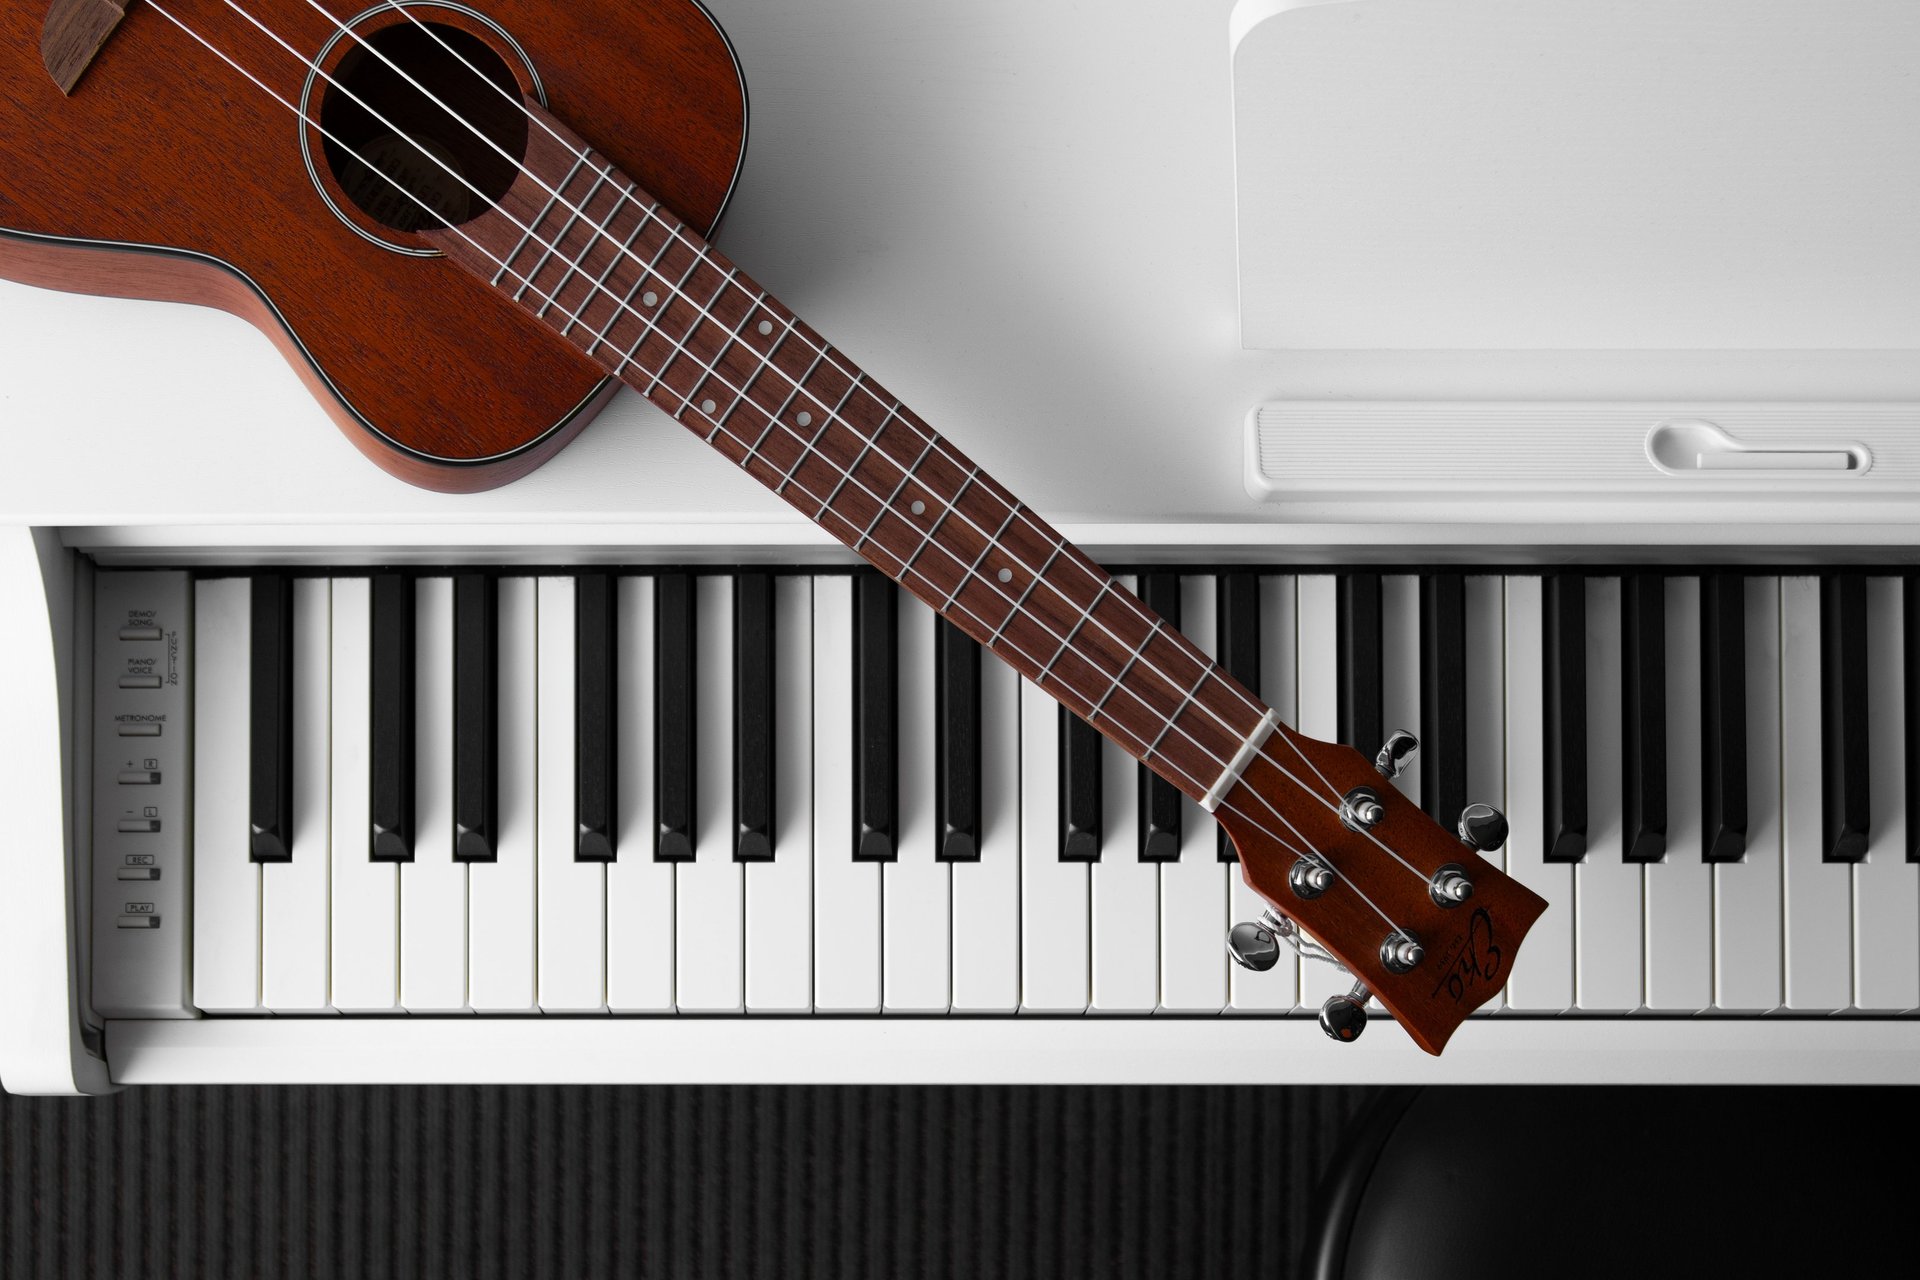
(1472, 960)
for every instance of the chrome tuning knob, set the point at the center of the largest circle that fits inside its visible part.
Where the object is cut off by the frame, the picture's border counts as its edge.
(1343, 1018)
(1450, 886)
(1482, 827)
(1400, 953)
(1396, 754)
(1253, 946)
(1308, 879)
(1361, 810)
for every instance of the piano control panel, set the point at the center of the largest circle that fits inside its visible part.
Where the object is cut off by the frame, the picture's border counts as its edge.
(143, 692)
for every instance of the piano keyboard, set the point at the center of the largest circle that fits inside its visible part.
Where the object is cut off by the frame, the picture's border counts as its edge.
(789, 793)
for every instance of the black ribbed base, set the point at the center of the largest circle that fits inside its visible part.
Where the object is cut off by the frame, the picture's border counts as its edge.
(684, 1182)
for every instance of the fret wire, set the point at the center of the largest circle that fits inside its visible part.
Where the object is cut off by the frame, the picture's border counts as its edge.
(867, 445)
(1032, 582)
(773, 419)
(613, 260)
(566, 229)
(652, 324)
(906, 478)
(1121, 678)
(624, 306)
(1073, 631)
(693, 329)
(806, 449)
(971, 572)
(746, 382)
(533, 227)
(1177, 713)
(926, 539)
(599, 233)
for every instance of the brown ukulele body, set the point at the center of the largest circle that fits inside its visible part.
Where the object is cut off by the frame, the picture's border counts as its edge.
(166, 175)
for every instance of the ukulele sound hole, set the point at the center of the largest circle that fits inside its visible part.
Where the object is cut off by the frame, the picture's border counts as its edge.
(416, 125)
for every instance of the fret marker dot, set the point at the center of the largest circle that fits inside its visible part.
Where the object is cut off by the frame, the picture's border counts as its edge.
(918, 508)
(1005, 575)
(649, 298)
(766, 327)
(803, 418)
(708, 406)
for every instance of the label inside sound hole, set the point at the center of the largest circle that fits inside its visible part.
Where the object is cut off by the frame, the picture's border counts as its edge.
(397, 180)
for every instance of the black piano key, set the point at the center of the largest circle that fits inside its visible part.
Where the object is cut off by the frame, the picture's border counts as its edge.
(270, 751)
(1443, 697)
(1361, 673)
(1643, 715)
(1845, 792)
(1160, 799)
(957, 743)
(753, 642)
(1564, 602)
(476, 717)
(876, 687)
(1081, 793)
(595, 765)
(1237, 602)
(674, 724)
(1910, 659)
(1723, 715)
(393, 659)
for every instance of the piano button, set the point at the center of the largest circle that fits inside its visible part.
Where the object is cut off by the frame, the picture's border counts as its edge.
(1159, 799)
(1239, 617)
(502, 917)
(1444, 751)
(476, 715)
(846, 890)
(1564, 605)
(293, 894)
(138, 729)
(710, 889)
(1400, 659)
(1643, 701)
(1679, 888)
(270, 676)
(1053, 891)
(226, 880)
(433, 886)
(916, 887)
(139, 682)
(1845, 771)
(392, 838)
(779, 901)
(1747, 929)
(1484, 604)
(1723, 715)
(136, 873)
(363, 894)
(1193, 890)
(986, 890)
(572, 901)
(1608, 898)
(1122, 897)
(753, 716)
(141, 633)
(1886, 886)
(1081, 748)
(138, 826)
(675, 672)
(957, 743)
(595, 761)
(137, 922)
(875, 697)
(1543, 982)
(640, 892)
(138, 778)
(1819, 921)
(1277, 989)
(1362, 719)
(1319, 703)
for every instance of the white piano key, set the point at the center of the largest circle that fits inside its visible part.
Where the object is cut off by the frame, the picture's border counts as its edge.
(502, 919)
(1747, 927)
(365, 894)
(1819, 914)
(1400, 666)
(1541, 979)
(1278, 988)
(1055, 919)
(846, 892)
(916, 891)
(1319, 700)
(293, 895)
(1193, 891)
(640, 893)
(1485, 598)
(986, 894)
(573, 894)
(1886, 887)
(710, 891)
(226, 880)
(1608, 900)
(1679, 888)
(1122, 892)
(433, 887)
(779, 893)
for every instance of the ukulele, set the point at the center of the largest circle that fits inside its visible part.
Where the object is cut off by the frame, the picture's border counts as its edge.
(466, 225)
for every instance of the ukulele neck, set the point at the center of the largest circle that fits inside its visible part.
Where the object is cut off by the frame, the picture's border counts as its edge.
(582, 249)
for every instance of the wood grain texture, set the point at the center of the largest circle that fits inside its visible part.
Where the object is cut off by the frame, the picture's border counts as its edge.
(73, 34)
(164, 146)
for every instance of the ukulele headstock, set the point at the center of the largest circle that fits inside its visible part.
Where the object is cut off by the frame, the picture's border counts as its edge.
(1412, 910)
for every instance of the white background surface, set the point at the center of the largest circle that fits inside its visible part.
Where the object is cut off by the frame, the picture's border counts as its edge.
(1019, 214)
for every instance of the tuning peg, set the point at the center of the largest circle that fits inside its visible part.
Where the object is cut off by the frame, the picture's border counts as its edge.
(1450, 886)
(1482, 827)
(1400, 953)
(1343, 1018)
(1253, 946)
(1396, 754)
(1308, 879)
(1361, 810)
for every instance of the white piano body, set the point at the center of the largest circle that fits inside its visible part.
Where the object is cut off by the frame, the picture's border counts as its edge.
(1041, 258)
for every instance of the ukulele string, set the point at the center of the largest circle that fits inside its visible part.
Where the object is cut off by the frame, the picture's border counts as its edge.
(1210, 670)
(1310, 853)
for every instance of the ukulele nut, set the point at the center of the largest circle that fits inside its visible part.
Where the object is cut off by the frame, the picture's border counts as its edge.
(1400, 953)
(1450, 886)
(1361, 810)
(1309, 879)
